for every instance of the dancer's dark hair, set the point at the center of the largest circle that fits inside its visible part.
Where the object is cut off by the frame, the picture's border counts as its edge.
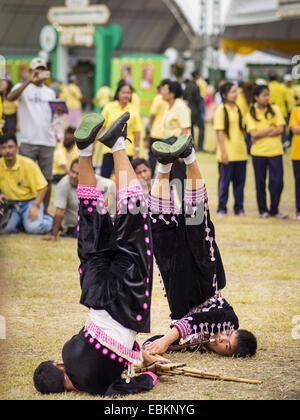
(49, 379)
(246, 344)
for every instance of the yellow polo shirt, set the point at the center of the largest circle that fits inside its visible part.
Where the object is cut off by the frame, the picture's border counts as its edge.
(10, 108)
(62, 156)
(268, 146)
(135, 100)
(158, 108)
(1, 122)
(292, 94)
(175, 119)
(23, 181)
(295, 120)
(104, 96)
(242, 103)
(112, 111)
(235, 145)
(279, 96)
(72, 95)
(203, 87)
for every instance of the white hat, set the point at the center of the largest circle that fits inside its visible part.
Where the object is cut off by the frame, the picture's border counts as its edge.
(37, 62)
(261, 82)
(287, 78)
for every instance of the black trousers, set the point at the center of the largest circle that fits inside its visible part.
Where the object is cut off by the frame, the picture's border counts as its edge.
(116, 261)
(274, 167)
(296, 167)
(186, 252)
(234, 172)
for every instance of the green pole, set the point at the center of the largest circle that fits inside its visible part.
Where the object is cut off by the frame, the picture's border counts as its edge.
(107, 38)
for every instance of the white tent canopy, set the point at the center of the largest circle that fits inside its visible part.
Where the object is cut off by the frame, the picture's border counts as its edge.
(245, 12)
(259, 22)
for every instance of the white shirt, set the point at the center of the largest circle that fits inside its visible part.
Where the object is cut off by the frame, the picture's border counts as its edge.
(112, 328)
(35, 115)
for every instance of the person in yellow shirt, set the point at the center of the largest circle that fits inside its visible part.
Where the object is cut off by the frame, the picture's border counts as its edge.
(244, 102)
(293, 98)
(295, 155)
(176, 122)
(265, 123)
(21, 182)
(73, 97)
(278, 93)
(279, 97)
(2, 122)
(231, 150)
(155, 126)
(292, 93)
(112, 111)
(64, 155)
(203, 85)
(9, 108)
(135, 100)
(104, 96)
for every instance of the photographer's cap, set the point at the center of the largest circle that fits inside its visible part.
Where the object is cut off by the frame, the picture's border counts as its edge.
(37, 62)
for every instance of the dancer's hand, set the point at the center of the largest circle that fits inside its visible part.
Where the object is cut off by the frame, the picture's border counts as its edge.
(159, 346)
(150, 360)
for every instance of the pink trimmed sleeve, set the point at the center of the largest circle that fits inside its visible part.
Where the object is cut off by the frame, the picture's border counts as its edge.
(89, 192)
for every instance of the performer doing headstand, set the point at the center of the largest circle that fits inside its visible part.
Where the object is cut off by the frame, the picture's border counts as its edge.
(190, 262)
(116, 266)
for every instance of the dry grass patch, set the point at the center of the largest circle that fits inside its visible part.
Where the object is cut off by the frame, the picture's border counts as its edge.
(40, 300)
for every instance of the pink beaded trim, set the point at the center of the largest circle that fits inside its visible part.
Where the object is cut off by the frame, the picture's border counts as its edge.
(128, 191)
(196, 196)
(89, 191)
(159, 205)
(183, 327)
(95, 332)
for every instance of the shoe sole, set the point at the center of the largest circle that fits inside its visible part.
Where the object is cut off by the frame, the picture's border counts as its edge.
(122, 119)
(165, 150)
(181, 145)
(88, 128)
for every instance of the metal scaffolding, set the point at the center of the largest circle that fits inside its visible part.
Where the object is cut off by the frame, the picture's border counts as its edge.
(210, 30)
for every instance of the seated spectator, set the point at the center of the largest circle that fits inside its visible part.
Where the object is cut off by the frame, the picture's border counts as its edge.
(22, 182)
(66, 202)
(143, 172)
(64, 155)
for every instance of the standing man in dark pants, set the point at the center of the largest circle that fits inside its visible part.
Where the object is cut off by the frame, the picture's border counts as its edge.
(193, 97)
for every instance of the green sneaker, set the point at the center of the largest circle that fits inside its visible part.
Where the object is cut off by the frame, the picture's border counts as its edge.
(183, 147)
(88, 129)
(169, 151)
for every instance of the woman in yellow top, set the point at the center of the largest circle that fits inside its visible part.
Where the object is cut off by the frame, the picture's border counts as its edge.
(112, 111)
(73, 97)
(9, 108)
(265, 123)
(295, 155)
(155, 126)
(176, 122)
(231, 150)
(64, 155)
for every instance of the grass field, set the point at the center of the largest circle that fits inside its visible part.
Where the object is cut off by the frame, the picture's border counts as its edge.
(40, 303)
